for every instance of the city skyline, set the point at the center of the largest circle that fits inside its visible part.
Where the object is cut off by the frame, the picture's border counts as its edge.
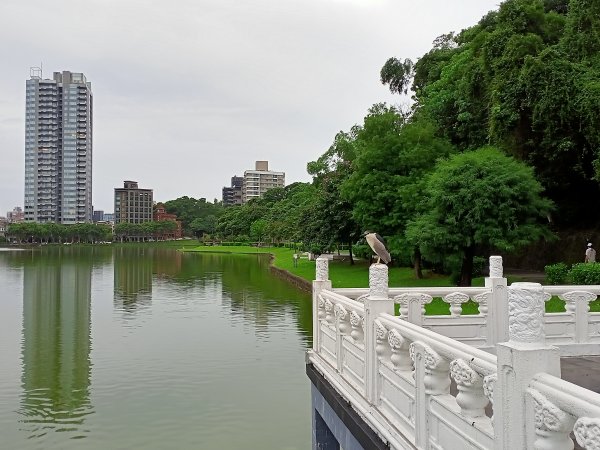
(197, 97)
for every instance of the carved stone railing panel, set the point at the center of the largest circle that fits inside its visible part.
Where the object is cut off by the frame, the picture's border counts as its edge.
(471, 397)
(552, 425)
(456, 299)
(381, 348)
(412, 299)
(321, 307)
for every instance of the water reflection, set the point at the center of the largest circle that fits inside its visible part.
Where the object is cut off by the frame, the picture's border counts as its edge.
(132, 278)
(56, 343)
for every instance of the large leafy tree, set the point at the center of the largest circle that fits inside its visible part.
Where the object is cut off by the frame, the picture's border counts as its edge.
(478, 201)
(385, 186)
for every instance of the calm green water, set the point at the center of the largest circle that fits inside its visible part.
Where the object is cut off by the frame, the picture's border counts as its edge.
(127, 348)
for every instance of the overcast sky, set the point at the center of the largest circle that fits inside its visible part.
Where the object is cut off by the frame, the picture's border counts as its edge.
(188, 93)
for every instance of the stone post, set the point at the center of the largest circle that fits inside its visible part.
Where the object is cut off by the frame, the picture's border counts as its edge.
(497, 304)
(376, 303)
(519, 359)
(318, 306)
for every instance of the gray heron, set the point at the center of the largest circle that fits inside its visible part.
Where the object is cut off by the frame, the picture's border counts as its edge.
(377, 244)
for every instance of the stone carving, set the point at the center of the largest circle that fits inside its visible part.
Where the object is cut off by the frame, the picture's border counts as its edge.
(328, 311)
(552, 425)
(573, 297)
(526, 312)
(489, 383)
(436, 379)
(496, 267)
(587, 432)
(547, 296)
(405, 299)
(357, 323)
(456, 299)
(341, 314)
(482, 300)
(321, 307)
(400, 357)
(378, 281)
(470, 397)
(381, 333)
(362, 298)
(322, 268)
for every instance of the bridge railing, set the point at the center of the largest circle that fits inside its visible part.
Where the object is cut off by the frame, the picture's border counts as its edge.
(420, 388)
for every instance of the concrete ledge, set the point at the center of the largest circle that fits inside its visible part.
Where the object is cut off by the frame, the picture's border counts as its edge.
(363, 433)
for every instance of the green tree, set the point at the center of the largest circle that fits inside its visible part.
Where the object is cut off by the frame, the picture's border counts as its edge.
(478, 201)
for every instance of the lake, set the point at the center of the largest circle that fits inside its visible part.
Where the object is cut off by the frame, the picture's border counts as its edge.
(146, 347)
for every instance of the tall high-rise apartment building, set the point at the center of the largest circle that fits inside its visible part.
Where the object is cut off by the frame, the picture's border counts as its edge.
(58, 148)
(132, 204)
(260, 180)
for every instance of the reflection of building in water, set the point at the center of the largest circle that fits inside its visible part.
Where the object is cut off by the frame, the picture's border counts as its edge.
(56, 344)
(133, 278)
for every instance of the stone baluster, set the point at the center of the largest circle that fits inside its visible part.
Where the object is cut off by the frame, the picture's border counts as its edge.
(496, 304)
(400, 355)
(431, 378)
(318, 304)
(358, 331)
(577, 303)
(519, 359)
(329, 313)
(471, 397)
(482, 301)
(381, 347)
(412, 306)
(587, 432)
(342, 328)
(552, 425)
(456, 299)
(489, 383)
(375, 304)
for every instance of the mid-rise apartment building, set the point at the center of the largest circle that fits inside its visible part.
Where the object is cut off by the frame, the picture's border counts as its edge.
(260, 180)
(58, 148)
(233, 195)
(132, 204)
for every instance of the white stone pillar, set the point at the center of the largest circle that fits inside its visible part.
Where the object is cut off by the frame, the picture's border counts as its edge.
(497, 304)
(519, 359)
(318, 306)
(376, 303)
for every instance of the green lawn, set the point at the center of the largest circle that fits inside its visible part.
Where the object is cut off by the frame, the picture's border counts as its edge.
(342, 274)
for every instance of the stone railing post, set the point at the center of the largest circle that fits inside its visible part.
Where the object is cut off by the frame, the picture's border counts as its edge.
(376, 303)
(519, 359)
(497, 304)
(318, 306)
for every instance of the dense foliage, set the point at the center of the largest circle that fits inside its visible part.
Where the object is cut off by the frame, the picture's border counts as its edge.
(197, 216)
(55, 233)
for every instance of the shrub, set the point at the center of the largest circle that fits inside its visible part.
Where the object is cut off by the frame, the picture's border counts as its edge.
(557, 273)
(585, 273)
(362, 251)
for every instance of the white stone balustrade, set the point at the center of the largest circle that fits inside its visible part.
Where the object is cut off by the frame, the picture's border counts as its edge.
(397, 371)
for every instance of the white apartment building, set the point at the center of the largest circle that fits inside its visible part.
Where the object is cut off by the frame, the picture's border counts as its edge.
(260, 180)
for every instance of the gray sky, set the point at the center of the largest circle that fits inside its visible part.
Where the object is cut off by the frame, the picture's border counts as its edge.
(189, 93)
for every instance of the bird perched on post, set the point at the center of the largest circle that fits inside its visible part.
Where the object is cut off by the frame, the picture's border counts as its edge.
(377, 244)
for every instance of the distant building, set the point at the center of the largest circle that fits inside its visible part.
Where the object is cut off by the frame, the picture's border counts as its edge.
(3, 226)
(16, 215)
(233, 195)
(260, 180)
(109, 217)
(132, 204)
(58, 148)
(161, 215)
(98, 216)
